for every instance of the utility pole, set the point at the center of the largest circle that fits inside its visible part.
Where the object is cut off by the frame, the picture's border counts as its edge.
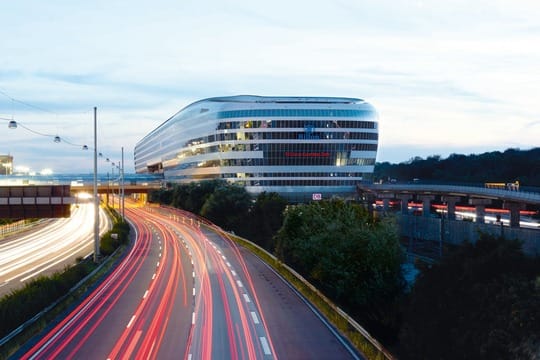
(96, 199)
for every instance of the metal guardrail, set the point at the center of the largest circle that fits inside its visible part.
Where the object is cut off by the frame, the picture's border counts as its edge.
(352, 323)
(459, 190)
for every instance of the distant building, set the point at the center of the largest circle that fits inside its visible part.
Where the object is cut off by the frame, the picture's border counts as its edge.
(304, 148)
(6, 164)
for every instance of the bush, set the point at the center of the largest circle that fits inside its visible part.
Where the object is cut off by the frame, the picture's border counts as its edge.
(483, 302)
(22, 304)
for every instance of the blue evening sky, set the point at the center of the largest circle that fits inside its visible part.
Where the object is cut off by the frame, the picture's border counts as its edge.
(454, 76)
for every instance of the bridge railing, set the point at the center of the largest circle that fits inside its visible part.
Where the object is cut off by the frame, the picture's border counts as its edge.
(511, 195)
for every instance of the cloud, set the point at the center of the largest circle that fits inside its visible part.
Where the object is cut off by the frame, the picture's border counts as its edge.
(442, 74)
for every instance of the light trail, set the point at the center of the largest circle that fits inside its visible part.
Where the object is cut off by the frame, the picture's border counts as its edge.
(50, 247)
(182, 290)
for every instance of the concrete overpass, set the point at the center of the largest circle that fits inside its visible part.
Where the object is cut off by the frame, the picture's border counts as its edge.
(108, 189)
(53, 201)
(427, 232)
(477, 196)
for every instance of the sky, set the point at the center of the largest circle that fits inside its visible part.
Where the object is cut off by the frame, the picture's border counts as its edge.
(446, 77)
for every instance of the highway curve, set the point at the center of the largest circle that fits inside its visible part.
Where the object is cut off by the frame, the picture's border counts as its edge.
(185, 292)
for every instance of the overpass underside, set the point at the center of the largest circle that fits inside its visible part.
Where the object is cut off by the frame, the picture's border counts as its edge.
(432, 234)
(35, 201)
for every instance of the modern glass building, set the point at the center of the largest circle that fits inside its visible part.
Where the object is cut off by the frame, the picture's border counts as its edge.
(300, 147)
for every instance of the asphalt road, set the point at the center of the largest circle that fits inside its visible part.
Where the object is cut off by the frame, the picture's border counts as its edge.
(48, 247)
(184, 291)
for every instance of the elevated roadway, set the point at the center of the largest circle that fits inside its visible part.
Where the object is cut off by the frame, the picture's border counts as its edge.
(513, 200)
(107, 189)
(454, 190)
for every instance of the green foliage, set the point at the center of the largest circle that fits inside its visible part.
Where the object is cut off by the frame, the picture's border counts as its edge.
(508, 166)
(264, 219)
(227, 206)
(352, 259)
(192, 196)
(161, 196)
(481, 303)
(109, 243)
(22, 304)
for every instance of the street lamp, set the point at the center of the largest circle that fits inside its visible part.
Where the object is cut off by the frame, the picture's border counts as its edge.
(13, 125)
(96, 200)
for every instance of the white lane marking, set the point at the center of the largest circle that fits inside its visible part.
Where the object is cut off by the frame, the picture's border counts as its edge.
(159, 254)
(189, 357)
(193, 318)
(194, 274)
(193, 291)
(239, 283)
(157, 264)
(246, 298)
(233, 272)
(265, 346)
(254, 317)
(154, 276)
(145, 294)
(223, 256)
(228, 264)
(131, 321)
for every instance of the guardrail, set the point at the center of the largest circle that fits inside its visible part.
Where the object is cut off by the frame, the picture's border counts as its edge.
(509, 195)
(358, 336)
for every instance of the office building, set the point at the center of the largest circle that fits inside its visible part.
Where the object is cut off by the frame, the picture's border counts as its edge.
(303, 148)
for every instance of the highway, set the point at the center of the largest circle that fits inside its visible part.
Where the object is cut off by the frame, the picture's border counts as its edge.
(48, 248)
(185, 291)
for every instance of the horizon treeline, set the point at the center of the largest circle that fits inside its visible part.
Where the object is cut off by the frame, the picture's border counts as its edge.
(509, 166)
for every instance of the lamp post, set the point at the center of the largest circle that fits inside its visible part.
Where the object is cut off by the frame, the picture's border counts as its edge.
(13, 125)
(96, 199)
(122, 183)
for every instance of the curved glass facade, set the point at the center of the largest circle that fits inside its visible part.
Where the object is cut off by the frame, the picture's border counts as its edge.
(299, 147)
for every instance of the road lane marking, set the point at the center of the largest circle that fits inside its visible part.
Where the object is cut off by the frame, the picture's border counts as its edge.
(193, 318)
(154, 276)
(255, 317)
(239, 283)
(233, 272)
(246, 298)
(145, 294)
(265, 346)
(131, 321)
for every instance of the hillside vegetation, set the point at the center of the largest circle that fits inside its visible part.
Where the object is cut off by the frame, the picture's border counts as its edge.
(508, 166)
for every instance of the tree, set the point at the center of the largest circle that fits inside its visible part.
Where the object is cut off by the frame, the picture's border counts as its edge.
(265, 219)
(227, 206)
(483, 302)
(353, 259)
(192, 196)
(508, 166)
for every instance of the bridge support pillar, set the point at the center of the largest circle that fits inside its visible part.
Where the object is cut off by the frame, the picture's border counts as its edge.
(426, 204)
(386, 204)
(480, 206)
(451, 206)
(386, 200)
(404, 203)
(514, 208)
